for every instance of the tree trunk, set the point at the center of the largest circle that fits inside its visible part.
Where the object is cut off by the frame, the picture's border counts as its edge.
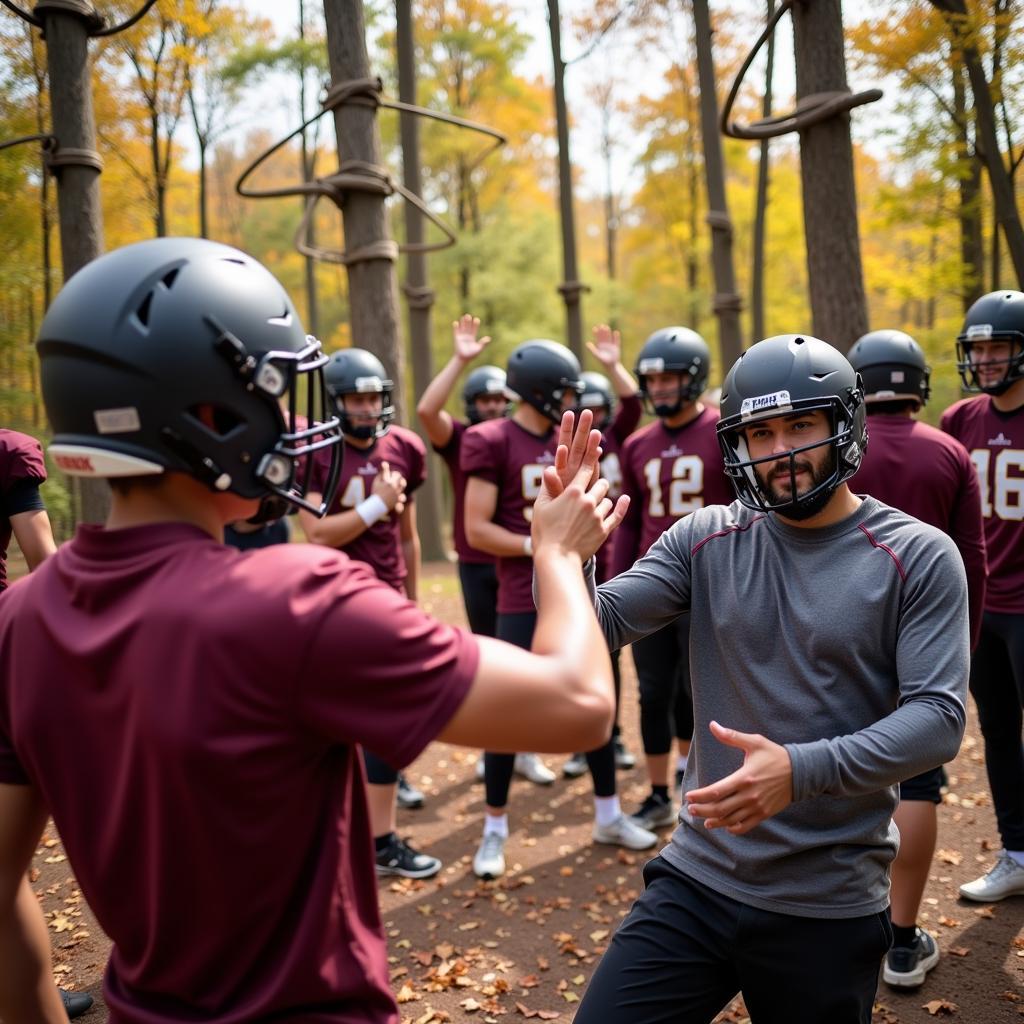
(571, 287)
(312, 303)
(418, 294)
(972, 241)
(761, 203)
(693, 191)
(835, 275)
(372, 286)
(78, 185)
(727, 302)
(204, 231)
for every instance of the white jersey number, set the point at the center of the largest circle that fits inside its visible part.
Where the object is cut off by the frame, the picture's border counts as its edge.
(533, 477)
(1005, 494)
(354, 493)
(685, 492)
(612, 472)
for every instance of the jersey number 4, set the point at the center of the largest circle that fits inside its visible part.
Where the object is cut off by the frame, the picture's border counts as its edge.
(1005, 494)
(685, 491)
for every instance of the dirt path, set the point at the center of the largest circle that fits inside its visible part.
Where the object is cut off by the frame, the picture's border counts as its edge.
(525, 947)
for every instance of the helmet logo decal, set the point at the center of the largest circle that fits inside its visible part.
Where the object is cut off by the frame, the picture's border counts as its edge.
(651, 365)
(364, 384)
(117, 421)
(778, 400)
(979, 332)
(897, 377)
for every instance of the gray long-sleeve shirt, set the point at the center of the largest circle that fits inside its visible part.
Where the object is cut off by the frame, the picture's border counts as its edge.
(846, 644)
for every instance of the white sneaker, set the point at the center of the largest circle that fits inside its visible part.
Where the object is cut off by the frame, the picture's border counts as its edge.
(624, 832)
(489, 861)
(575, 766)
(480, 768)
(531, 767)
(1005, 879)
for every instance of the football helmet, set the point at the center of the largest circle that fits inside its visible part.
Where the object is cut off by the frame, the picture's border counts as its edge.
(187, 355)
(892, 366)
(540, 372)
(599, 396)
(787, 374)
(674, 350)
(354, 371)
(484, 380)
(998, 316)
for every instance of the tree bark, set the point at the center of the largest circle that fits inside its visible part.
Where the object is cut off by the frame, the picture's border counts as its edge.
(835, 275)
(972, 241)
(727, 302)
(372, 285)
(312, 299)
(571, 287)
(418, 294)
(761, 202)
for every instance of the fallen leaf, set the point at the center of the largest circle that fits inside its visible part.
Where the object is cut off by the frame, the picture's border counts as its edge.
(949, 856)
(406, 994)
(943, 1006)
(959, 951)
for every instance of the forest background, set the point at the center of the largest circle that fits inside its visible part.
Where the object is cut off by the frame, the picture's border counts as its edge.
(181, 109)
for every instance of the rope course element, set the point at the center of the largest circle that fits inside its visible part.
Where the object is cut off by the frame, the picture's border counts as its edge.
(809, 110)
(360, 176)
(49, 142)
(83, 9)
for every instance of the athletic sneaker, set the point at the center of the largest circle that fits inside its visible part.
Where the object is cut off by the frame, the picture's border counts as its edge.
(906, 966)
(489, 861)
(655, 812)
(399, 858)
(625, 832)
(575, 766)
(75, 1003)
(1005, 879)
(408, 796)
(624, 758)
(480, 771)
(531, 767)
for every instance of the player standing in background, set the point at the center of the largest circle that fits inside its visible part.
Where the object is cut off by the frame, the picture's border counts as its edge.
(617, 411)
(505, 462)
(484, 398)
(929, 475)
(990, 355)
(373, 519)
(669, 469)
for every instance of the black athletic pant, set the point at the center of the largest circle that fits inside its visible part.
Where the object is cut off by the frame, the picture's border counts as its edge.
(663, 673)
(378, 773)
(517, 628)
(479, 581)
(685, 950)
(997, 685)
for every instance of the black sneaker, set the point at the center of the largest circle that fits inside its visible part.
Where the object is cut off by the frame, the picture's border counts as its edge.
(75, 1003)
(408, 796)
(399, 858)
(655, 812)
(906, 966)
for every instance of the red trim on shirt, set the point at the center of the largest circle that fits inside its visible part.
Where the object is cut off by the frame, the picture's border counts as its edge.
(888, 550)
(722, 533)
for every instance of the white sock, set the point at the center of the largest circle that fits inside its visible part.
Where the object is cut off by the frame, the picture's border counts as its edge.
(1016, 855)
(681, 760)
(496, 824)
(606, 810)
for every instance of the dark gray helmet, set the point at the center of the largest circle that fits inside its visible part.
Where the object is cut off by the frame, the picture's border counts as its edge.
(599, 396)
(184, 354)
(354, 371)
(787, 374)
(674, 350)
(540, 372)
(892, 367)
(998, 316)
(484, 380)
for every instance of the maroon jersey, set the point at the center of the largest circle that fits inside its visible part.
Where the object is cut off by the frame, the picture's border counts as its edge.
(625, 421)
(995, 442)
(210, 701)
(510, 457)
(929, 475)
(452, 455)
(668, 473)
(381, 545)
(22, 470)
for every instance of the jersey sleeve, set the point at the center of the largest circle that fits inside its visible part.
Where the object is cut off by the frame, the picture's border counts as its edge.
(380, 672)
(967, 528)
(21, 458)
(478, 456)
(23, 496)
(11, 771)
(417, 462)
(626, 540)
(627, 417)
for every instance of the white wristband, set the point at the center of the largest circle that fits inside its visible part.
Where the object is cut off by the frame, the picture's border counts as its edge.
(528, 546)
(372, 509)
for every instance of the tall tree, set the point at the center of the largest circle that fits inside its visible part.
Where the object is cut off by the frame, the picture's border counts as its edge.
(761, 203)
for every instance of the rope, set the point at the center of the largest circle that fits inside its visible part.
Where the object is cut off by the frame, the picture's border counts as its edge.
(48, 141)
(63, 157)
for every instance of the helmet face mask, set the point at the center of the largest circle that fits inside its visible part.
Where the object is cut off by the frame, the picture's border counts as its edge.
(676, 350)
(485, 382)
(542, 374)
(354, 371)
(185, 355)
(893, 368)
(791, 375)
(993, 320)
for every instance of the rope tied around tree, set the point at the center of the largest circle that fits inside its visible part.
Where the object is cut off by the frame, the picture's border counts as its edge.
(810, 110)
(419, 296)
(360, 176)
(94, 21)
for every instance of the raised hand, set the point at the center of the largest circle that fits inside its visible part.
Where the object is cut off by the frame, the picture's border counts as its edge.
(606, 347)
(389, 485)
(762, 787)
(464, 331)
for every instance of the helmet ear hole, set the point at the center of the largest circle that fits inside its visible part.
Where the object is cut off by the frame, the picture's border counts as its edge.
(216, 419)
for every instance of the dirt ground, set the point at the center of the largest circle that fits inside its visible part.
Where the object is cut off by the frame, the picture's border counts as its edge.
(525, 947)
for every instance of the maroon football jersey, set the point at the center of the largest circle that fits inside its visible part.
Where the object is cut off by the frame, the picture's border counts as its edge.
(452, 455)
(510, 457)
(212, 701)
(625, 421)
(21, 459)
(995, 442)
(381, 545)
(929, 475)
(668, 473)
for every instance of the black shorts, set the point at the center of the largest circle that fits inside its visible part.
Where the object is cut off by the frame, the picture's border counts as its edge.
(926, 787)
